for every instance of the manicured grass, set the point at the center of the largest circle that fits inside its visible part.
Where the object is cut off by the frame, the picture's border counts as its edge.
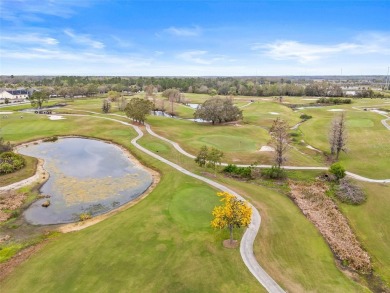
(164, 243)
(279, 247)
(371, 221)
(155, 246)
(368, 140)
(290, 248)
(264, 112)
(240, 144)
(26, 172)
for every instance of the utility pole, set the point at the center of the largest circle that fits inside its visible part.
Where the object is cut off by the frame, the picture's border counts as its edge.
(387, 79)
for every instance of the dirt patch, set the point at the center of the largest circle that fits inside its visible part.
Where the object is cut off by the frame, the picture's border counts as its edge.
(10, 201)
(334, 227)
(230, 244)
(7, 267)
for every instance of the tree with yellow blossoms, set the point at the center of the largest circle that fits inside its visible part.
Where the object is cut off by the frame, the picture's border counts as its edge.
(232, 213)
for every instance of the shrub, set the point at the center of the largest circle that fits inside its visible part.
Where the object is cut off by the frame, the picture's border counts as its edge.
(350, 193)
(85, 216)
(335, 101)
(305, 117)
(5, 146)
(241, 172)
(274, 172)
(50, 139)
(10, 162)
(337, 170)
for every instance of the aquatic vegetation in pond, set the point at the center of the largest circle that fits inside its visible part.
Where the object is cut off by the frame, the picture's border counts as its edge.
(86, 176)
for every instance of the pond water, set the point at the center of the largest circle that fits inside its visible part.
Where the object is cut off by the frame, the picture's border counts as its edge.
(86, 176)
(193, 106)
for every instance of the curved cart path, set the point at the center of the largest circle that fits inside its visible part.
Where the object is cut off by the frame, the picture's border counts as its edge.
(350, 174)
(246, 245)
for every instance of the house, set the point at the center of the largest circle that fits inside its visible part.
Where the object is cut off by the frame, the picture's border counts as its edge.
(13, 96)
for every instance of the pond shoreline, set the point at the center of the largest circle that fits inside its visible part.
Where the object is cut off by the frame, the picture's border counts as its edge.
(41, 176)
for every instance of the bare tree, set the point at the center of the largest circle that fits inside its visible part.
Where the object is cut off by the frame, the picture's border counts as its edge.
(280, 139)
(338, 136)
(149, 91)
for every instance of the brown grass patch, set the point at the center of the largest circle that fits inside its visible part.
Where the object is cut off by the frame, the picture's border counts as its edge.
(323, 212)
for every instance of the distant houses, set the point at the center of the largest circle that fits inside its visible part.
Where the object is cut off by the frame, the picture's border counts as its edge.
(14, 96)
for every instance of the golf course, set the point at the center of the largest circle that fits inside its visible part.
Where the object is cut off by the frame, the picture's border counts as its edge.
(164, 242)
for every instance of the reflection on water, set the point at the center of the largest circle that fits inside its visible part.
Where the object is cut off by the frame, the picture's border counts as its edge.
(86, 176)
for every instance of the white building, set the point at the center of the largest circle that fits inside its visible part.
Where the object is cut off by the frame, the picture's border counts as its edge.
(13, 96)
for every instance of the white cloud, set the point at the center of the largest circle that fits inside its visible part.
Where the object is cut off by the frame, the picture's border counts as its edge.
(195, 57)
(184, 31)
(305, 52)
(202, 57)
(28, 38)
(84, 39)
(30, 10)
(63, 55)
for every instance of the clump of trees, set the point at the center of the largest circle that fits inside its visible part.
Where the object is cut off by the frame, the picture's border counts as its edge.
(210, 158)
(338, 136)
(218, 110)
(233, 213)
(137, 109)
(319, 89)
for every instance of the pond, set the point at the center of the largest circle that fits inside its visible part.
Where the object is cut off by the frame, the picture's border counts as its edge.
(86, 176)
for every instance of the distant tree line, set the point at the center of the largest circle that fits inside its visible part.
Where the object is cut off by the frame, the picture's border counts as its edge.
(73, 86)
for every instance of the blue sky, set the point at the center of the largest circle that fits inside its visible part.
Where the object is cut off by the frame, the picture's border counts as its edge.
(194, 38)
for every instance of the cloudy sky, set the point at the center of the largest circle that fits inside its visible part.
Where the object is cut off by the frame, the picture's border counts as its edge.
(194, 38)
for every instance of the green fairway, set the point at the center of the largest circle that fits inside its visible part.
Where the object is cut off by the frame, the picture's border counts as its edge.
(264, 112)
(240, 143)
(368, 140)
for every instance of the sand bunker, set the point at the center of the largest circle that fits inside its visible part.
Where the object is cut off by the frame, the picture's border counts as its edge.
(266, 148)
(273, 113)
(56, 117)
(310, 99)
(5, 113)
(313, 148)
(336, 110)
